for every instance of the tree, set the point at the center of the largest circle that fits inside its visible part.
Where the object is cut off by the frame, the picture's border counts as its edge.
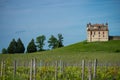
(4, 51)
(40, 41)
(20, 47)
(12, 47)
(31, 47)
(53, 42)
(60, 40)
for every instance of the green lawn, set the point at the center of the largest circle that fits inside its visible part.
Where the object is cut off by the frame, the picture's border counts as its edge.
(103, 51)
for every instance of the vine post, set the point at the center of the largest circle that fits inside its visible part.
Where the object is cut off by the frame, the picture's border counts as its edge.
(95, 68)
(31, 69)
(15, 67)
(2, 65)
(34, 69)
(56, 69)
(89, 70)
(83, 69)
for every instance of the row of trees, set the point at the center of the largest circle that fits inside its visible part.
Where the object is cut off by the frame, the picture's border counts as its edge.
(14, 47)
(18, 46)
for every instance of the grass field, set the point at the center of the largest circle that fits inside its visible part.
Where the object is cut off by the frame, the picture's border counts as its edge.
(107, 53)
(103, 51)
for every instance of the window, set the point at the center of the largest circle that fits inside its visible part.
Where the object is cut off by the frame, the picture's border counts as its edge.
(91, 33)
(94, 33)
(99, 27)
(99, 32)
(103, 32)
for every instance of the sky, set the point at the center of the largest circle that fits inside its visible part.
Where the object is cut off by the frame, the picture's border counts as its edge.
(27, 19)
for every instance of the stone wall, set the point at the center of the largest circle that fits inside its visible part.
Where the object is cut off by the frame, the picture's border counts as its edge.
(114, 37)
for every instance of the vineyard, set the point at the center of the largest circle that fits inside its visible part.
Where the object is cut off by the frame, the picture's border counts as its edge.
(80, 61)
(59, 70)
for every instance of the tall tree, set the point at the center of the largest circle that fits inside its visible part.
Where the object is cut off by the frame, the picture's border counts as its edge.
(60, 40)
(20, 46)
(53, 42)
(12, 47)
(31, 47)
(40, 41)
(4, 51)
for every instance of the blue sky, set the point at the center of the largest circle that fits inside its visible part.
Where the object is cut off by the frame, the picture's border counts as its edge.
(27, 19)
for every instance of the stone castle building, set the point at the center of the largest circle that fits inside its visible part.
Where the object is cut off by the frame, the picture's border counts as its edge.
(97, 32)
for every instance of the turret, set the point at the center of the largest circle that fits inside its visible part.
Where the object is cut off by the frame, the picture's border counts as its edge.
(106, 24)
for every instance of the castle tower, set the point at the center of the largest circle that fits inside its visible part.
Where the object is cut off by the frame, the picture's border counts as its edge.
(97, 32)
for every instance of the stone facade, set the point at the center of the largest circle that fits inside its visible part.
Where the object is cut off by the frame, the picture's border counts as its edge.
(97, 32)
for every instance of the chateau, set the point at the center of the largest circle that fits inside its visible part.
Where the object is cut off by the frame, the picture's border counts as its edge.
(97, 32)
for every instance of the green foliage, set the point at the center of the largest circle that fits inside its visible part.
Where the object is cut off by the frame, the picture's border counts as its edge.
(31, 47)
(60, 40)
(20, 47)
(103, 51)
(40, 41)
(117, 50)
(16, 47)
(53, 42)
(67, 73)
(12, 47)
(4, 51)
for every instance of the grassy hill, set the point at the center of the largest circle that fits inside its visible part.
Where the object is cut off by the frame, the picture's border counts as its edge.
(103, 51)
(110, 46)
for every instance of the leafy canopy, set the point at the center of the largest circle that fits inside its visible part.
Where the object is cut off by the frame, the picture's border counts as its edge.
(31, 47)
(40, 41)
(12, 46)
